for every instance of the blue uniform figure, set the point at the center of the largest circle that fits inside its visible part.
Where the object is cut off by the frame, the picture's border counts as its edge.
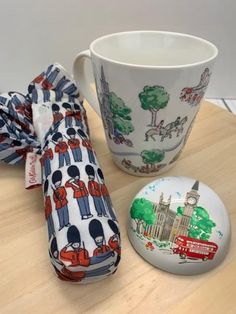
(60, 199)
(58, 95)
(15, 154)
(46, 95)
(48, 70)
(80, 192)
(3, 100)
(48, 211)
(12, 110)
(68, 114)
(52, 76)
(74, 145)
(114, 241)
(103, 251)
(46, 159)
(62, 149)
(61, 83)
(34, 95)
(57, 116)
(95, 192)
(78, 116)
(105, 195)
(87, 144)
(70, 89)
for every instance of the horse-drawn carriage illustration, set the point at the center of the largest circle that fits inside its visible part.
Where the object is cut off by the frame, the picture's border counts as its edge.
(119, 138)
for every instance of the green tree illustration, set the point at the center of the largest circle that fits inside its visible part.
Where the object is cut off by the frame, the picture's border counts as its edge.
(120, 114)
(153, 98)
(151, 157)
(200, 225)
(142, 212)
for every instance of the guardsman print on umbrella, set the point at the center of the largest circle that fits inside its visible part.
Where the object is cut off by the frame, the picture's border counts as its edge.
(77, 116)
(75, 255)
(114, 241)
(69, 114)
(95, 191)
(105, 195)
(80, 192)
(97, 233)
(57, 115)
(87, 144)
(47, 156)
(73, 252)
(48, 210)
(61, 148)
(84, 238)
(60, 199)
(74, 144)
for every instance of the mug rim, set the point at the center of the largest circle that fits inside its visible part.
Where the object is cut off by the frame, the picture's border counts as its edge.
(179, 66)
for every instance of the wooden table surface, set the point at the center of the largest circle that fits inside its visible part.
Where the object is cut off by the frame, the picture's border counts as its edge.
(27, 280)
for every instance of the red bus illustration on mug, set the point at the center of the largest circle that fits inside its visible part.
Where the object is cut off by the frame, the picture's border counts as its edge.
(193, 248)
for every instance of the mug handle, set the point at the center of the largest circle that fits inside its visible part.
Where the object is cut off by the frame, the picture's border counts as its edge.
(85, 79)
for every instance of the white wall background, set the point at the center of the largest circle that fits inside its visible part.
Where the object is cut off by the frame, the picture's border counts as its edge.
(35, 33)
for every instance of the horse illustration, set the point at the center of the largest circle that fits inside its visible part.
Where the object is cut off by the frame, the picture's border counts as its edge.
(153, 131)
(166, 131)
(180, 126)
(175, 126)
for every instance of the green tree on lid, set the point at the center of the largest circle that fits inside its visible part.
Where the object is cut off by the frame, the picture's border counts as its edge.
(153, 98)
(200, 225)
(142, 212)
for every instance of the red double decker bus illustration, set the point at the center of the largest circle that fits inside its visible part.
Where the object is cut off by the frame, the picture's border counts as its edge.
(193, 248)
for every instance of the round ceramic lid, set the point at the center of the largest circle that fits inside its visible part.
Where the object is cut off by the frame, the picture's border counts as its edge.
(180, 225)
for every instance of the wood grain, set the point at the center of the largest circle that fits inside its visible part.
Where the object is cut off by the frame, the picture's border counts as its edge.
(28, 283)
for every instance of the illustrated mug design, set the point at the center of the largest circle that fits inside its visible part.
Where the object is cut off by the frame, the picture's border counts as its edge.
(153, 98)
(193, 95)
(166, 131)
(141, 80)
(115, 114)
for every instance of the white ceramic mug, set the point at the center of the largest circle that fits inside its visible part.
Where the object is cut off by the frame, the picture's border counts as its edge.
(149, 87)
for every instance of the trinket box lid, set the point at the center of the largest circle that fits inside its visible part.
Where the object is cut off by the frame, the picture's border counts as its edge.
(179, 225)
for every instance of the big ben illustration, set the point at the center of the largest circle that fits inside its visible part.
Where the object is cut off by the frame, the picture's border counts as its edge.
(191, 200)
(182, 223)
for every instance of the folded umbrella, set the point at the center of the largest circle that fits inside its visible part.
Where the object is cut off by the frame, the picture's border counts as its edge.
(48, 129)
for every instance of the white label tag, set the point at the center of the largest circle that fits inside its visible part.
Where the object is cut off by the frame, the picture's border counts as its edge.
(33, 171)
(42, 119)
